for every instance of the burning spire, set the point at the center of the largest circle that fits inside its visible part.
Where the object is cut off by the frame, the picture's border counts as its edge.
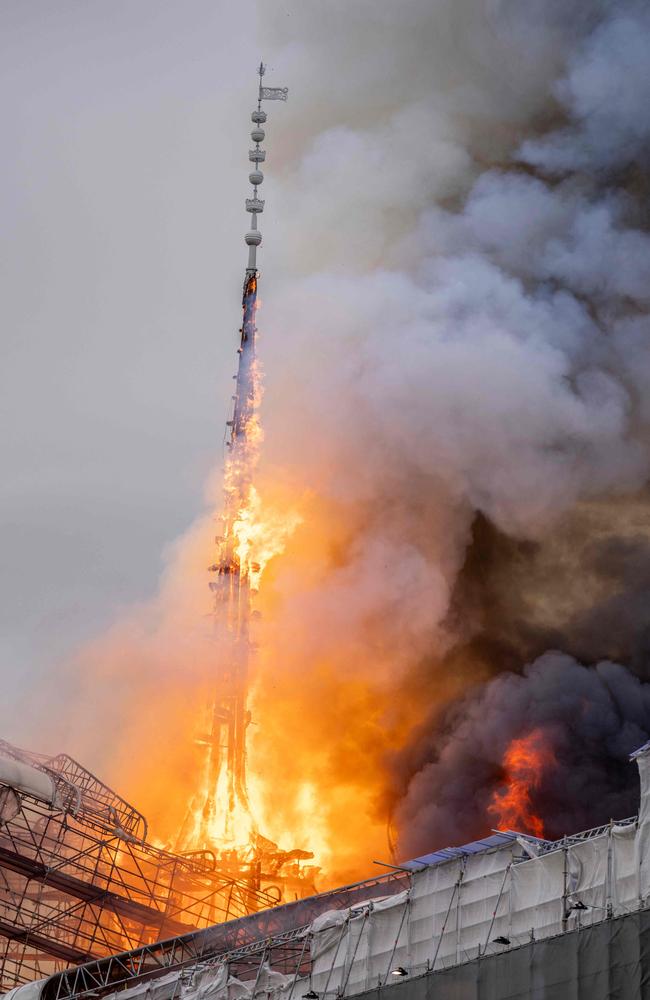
(220, 818)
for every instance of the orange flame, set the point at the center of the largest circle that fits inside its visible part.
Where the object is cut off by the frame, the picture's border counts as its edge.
(336, 680)
(260, 534)
(523, 763)
(335, 688)
(223, 816)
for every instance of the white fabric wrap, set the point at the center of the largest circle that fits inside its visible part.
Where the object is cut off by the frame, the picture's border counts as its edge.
(354, 949)
(433, 914)
(28, 779)
(29, 991)
(537, 887)
(625, 872)
(643, 833)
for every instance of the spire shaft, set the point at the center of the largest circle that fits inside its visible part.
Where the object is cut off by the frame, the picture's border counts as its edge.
(226, 794)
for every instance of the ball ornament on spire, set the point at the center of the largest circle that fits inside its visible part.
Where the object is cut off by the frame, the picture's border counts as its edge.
(257, 156)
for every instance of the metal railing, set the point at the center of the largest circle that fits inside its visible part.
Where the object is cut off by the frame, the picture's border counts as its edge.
(546, 846)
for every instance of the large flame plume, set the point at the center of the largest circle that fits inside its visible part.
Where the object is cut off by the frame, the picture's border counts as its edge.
(524, 764)
(221, 815)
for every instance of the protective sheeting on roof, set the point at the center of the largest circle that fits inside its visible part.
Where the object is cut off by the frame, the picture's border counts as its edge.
(462, 904)
(495, 841)
(475, 903)
(607, 960)
(478, 903)
(25, 778)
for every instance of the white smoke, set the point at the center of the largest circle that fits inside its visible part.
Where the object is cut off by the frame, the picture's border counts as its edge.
(604, 91)
(456, 317)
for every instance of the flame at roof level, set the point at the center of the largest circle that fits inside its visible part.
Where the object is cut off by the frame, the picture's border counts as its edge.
(524, 763)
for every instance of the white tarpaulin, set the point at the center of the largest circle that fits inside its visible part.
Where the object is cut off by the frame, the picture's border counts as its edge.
(625, 873)
(433, 913)
(483, 893)
(25, 778)
(537, 887)
(30, 991)
(352, 949)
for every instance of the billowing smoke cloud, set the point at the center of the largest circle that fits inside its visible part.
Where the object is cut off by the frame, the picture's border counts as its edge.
(460, 374)
(455, 285)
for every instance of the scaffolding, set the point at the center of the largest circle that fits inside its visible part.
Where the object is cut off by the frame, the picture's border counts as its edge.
(276, 934)
(446, 909)
(78, 879)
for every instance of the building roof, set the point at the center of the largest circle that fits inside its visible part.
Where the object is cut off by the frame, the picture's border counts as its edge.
(495, 840)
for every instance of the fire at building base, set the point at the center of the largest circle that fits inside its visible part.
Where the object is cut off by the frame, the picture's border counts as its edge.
(512, 915)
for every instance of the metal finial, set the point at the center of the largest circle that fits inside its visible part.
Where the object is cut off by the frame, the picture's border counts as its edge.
(255, 205)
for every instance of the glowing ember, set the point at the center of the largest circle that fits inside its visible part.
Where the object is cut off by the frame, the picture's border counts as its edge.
(523, 763)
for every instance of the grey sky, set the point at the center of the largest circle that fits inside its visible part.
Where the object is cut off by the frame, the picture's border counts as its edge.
(124, 129)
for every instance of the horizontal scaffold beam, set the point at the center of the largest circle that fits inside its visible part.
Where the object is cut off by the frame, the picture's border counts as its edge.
(88, 892)
(57, 949)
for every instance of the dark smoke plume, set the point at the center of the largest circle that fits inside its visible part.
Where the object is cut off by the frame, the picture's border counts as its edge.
(591, 718)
